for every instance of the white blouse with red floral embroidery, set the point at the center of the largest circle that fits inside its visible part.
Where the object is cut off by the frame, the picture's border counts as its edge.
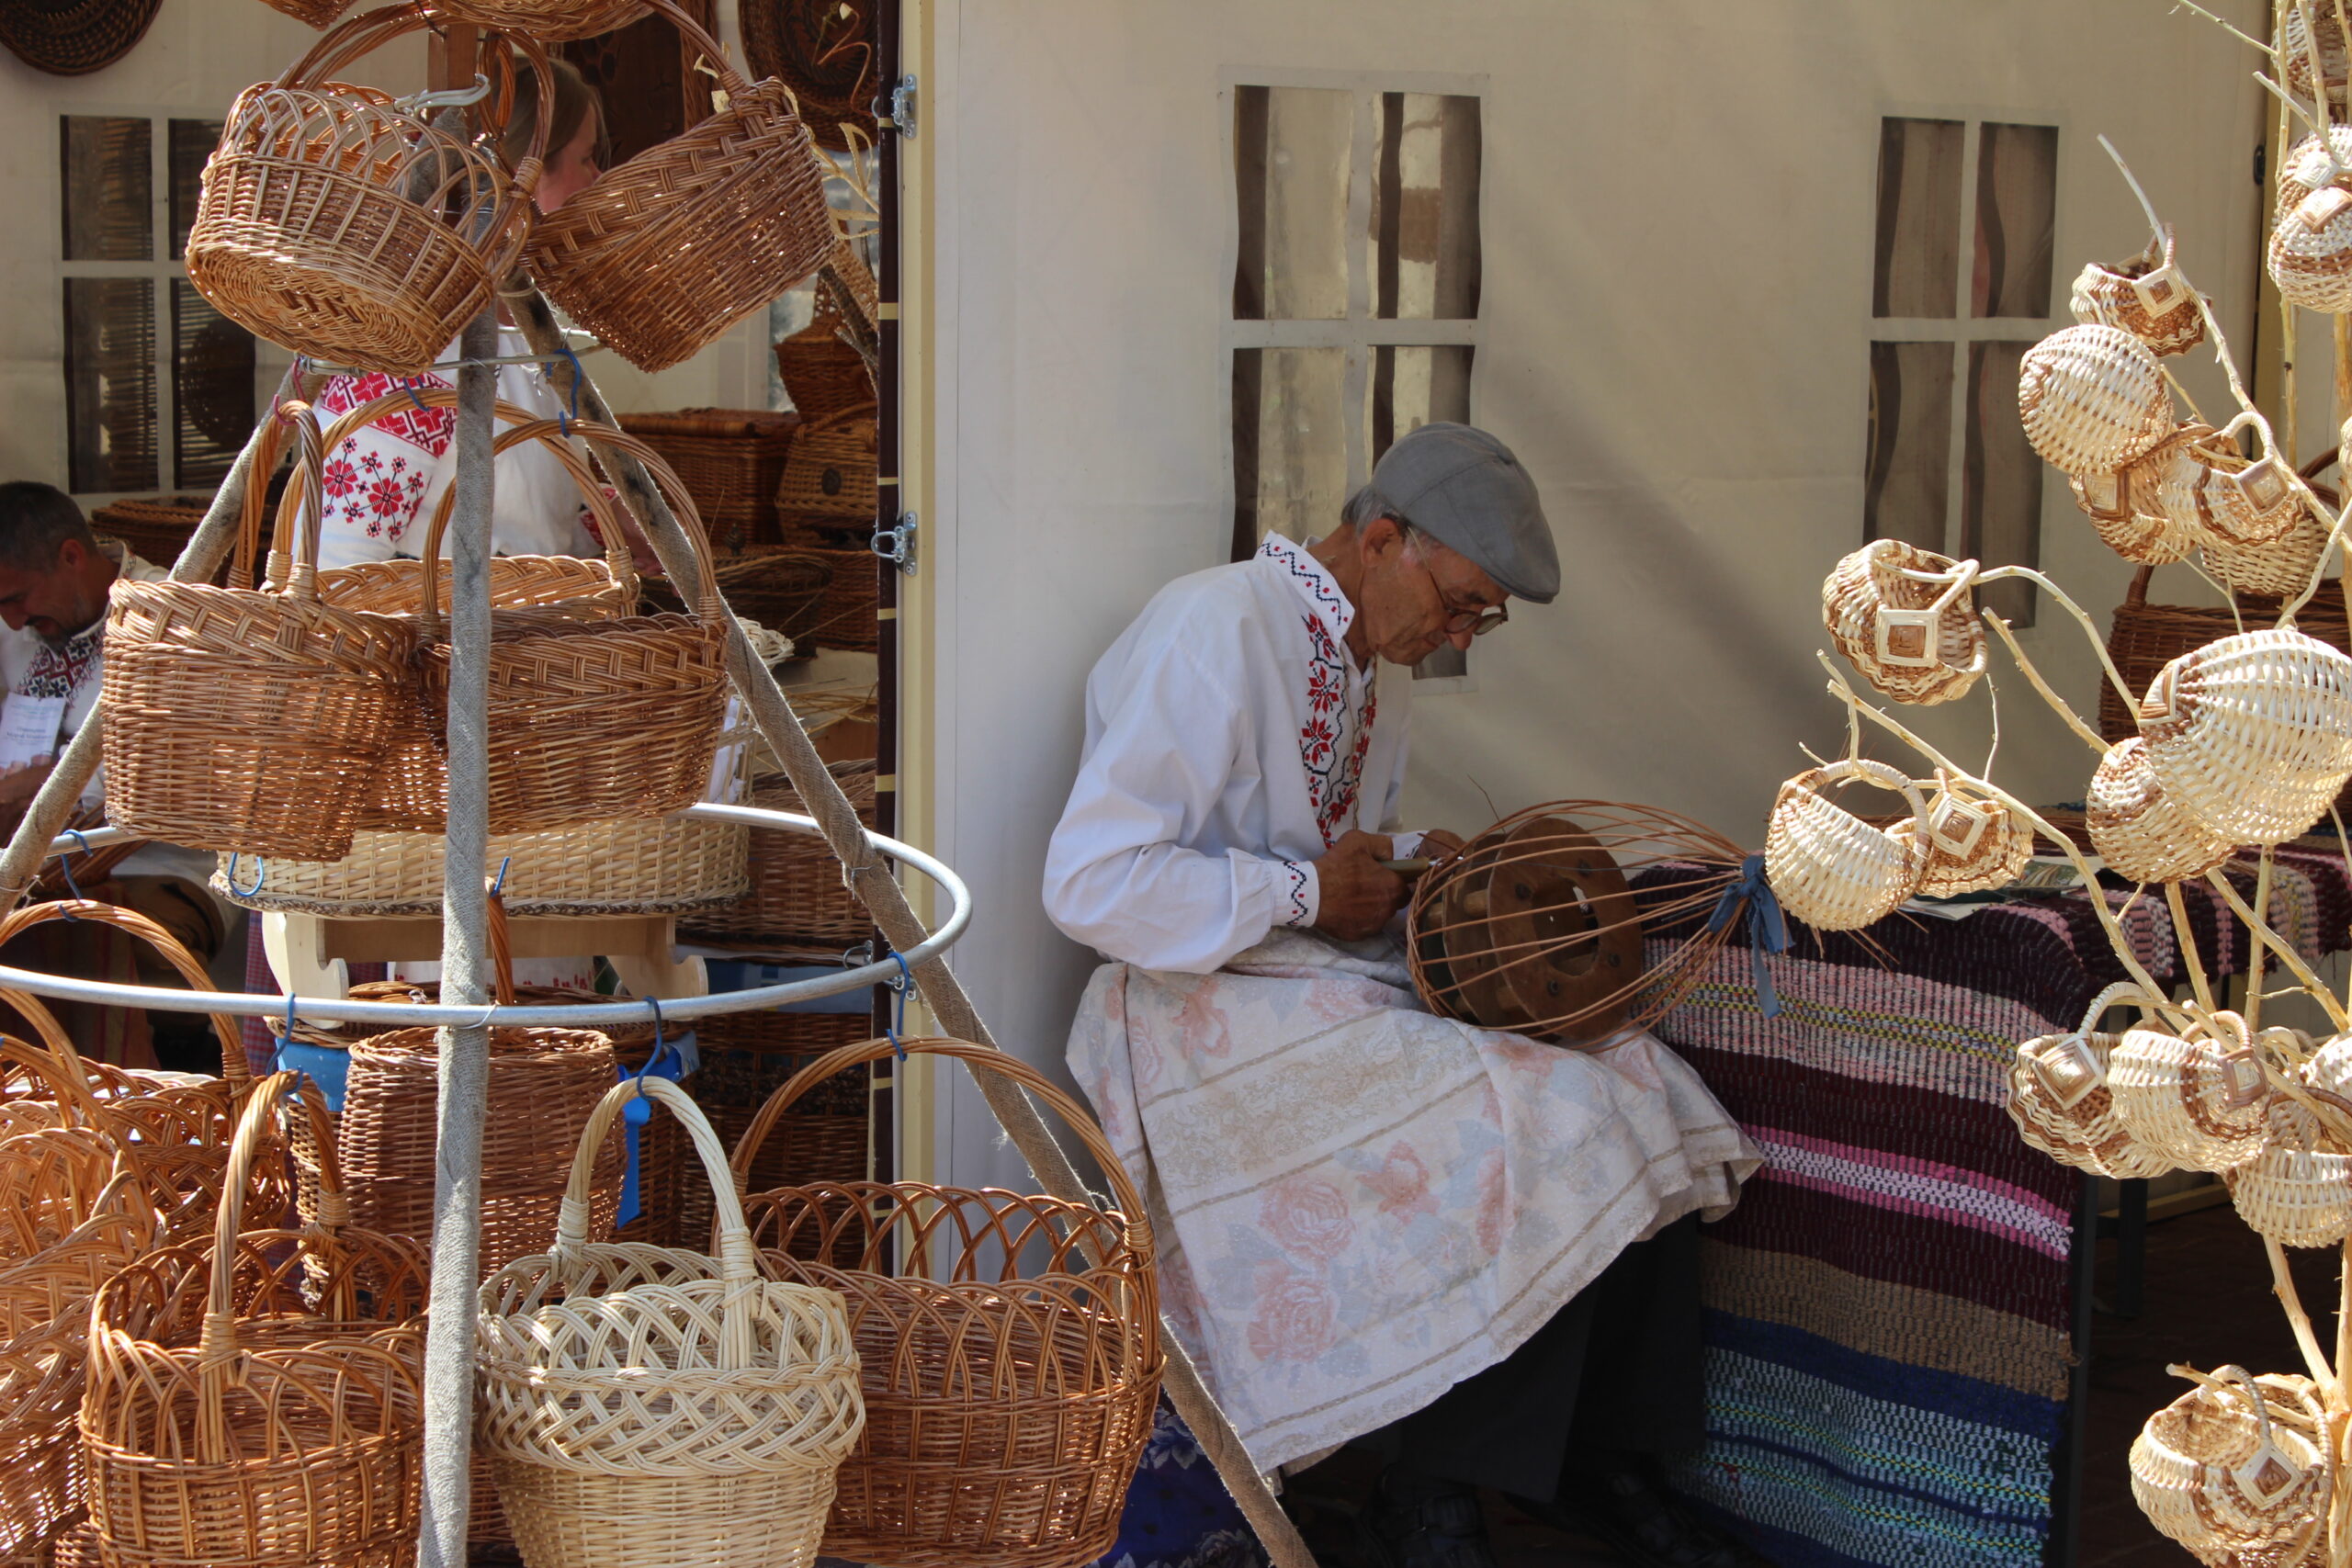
(1230, 740)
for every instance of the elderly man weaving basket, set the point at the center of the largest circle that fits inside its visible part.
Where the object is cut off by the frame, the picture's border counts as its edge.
(1376, 1223)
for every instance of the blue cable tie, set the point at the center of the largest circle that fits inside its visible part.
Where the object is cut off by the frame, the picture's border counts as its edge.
(287, 1038)
(65, 864)
(408, 384)
(497, 887)
(260, 876)
(900, 987)
(578, 375)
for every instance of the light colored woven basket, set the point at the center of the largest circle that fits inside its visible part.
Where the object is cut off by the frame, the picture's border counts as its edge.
(1831, 869)
(2142, 834)
(550, 21)
(2252, 734)
(2284, 567)
(255, 1399)
(2092, 397)
(1974, 840)
(2127, 509)
(663, 253)
(2295, 41)
(2310, 253)
(2297, 1189)
(646, 1404)
(1007, 1407)
(2308, 167)
(2198, 1101)
(2236, 1470)
(1915, 641)
(2059, 1098)
(345, 227)
(2211, 493)
(2147, 296)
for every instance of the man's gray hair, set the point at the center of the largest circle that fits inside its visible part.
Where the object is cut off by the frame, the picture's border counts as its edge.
(1367, 506)
(35, 522)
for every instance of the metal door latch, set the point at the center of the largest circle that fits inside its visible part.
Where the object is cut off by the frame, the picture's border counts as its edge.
(896, 545)
(897, 112)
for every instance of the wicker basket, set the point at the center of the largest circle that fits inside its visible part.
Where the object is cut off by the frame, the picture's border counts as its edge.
(829, 478)
(669, 249)
(2147, 296)
(344, 226)
(2284, 567)
(822, 373)
(1974, 840)
(646, 1404)
(2059, 1098)
(256, 1399)
(746, 1057)
(825, 54)
(781, 588)
(2295, 51)
(1007, 1406)
(2092, 397)
(851, 613)
(2198, 1101)
(1831, 869)
(2125, 510)
(1915, 641)
(2297, 1190)
(2310, 253)
(2218, 496)
(2147, 637)
(320, 13)
(2141, 833)
(2308, 168)
(247, 720)
(549, 21)
(798, 898)
(2252, 734)
(154, 528)
(731, 461)
(2236, 1470)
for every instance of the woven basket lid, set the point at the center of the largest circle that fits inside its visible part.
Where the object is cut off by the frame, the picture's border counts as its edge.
(823, 50)
(74, 37)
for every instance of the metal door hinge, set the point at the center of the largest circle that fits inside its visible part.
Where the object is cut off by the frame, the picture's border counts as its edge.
(896, 545)
(897, 112)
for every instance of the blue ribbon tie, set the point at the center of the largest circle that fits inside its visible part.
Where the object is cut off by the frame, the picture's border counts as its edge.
(1767, 929)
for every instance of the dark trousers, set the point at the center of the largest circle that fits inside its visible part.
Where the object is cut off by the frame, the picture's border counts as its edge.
(1617, 1368)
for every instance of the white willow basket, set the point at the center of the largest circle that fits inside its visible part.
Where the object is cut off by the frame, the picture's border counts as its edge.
(2092, 397)
(2200, 1102)
(2252, 734)
(2284, 567)
(1974, 842)
(1831, 869)
(2234, 1472)
(2310, 253)
(1914, 641)
(2298, 1189)
(2139, 833)
(2211, 493)
(2147, 296)
(2126, 508)
(2059, 1098)
(2295, 46)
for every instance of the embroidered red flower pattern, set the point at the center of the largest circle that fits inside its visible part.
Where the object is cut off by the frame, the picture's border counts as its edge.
(341, 477)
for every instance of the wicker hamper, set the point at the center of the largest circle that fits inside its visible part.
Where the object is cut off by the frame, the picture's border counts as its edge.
(851, 615)
(821, 372)
(796, 898)
(829, 482)
(731, 461)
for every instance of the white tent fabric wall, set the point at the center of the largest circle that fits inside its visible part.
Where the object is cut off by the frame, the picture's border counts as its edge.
(1677, 204)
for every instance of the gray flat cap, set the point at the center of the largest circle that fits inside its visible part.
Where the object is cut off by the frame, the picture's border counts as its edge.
(1464, 489)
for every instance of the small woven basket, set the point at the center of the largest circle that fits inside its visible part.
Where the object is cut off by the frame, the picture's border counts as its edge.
(2200, 1102)
(2283, 566)
(257, 1399)
(549, 21)
(1831, 869)
(2295, 40)
(829, 478)
(1010, 1345)
(320, 13)
(2252, 734)
(822, 372)
(2308, 167)
(1974, 842)
(798, 898)
(2140, 832)
(2214, 494)
(2126, 508)
(2297, 1189)
(2147, 296)
(2309, 252)
(2236, 1470)
(2092, 397)
(2059, 1098)
(1915, 641)
(341, 224)
(641, 1404)
(731, 461)
(669, 249)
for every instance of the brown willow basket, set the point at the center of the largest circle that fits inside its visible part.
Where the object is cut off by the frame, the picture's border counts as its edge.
(730, 460)
(2142, 834)
(2252, 734)
(154, 528)
(851, 613)
(669, 249)
(2058, 1098)
(1010, 1345)
(257, 1399)
(1915, 641)
(2297, 1189)
(779, 587)
(831, 476)
(549, 21)
(656, 1404)
(2092, 397)
(2198, 1101)
(2236, 1470)
(1974, 842)
(341, 224)
(798, 898)
(746, 1057)
(247, 720)
(1830, 868)
(2147, 296)
(2216, 493)
(822, 374)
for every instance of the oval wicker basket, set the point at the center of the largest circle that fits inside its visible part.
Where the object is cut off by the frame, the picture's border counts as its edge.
(341, 225)
(2297, 1190)
(2214, 494)
(2092, 397)
(1915, 641)
(640, 1404)
(1974, 842)
(2147, 296)
(1011, 1362)
(2252, 734)
(2059, 1098)
(1831, 869)
(663, 253)
(2295, 40)
(2142, 834)
(2236, 1470)
(2199, 1101)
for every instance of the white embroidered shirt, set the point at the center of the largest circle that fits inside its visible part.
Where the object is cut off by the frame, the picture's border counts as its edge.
(1230, 740)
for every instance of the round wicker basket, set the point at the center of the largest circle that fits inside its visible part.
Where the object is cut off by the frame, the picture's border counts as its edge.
(1831, 869)
(2252, 734)
(2310, 253)
(1974, 842)
(2127, 509)
(2059, 1098)
(2198, 1102)
(2308, 167)
(2236, 1470)
(2295, 40)
(2298, 1189)
(2092, 397)
(2139, 833)
(2211, 493)
(2145, 295)
(1917, 641)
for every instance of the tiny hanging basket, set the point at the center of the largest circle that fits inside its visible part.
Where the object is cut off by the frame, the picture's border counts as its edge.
(1831, 869)
(2147, 296)
(1974, 842)
(2284, 567)
(2212, 493)
(2142, 834)
(2295, 40)
(2310, 253)
(2252, 734)
(2297, 1189)
(2092, 397)
(2236, 1470)
(1906, 618)
(2127, 510)
(2059, 1098)
(2198, 1101)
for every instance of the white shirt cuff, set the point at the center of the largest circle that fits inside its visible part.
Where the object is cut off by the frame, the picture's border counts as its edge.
(1297, 893)
(1404, 846)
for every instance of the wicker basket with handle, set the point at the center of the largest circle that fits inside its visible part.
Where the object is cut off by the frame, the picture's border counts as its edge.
(1917, 641)
(2236, 1470)
(2140, 832)
(154, 528)
(797, 896)
(2296, 36)
(2059, 1098)
(2092, 397)
(1831, 869)
(2198, 1101)
(1974, 842)
(2145, 637)
(731, 461)
(2214, 493)
(343, 225)
(2252, 734)
(2297, 1189)
(2145, 295)
(669, 249)
(549, 21)
(821, 371)
(1010, 1361)
(645, 1404)
(2309, 252)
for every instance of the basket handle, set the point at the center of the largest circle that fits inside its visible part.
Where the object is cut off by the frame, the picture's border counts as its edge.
(2136, 596)
(978, 1059)
(2123, 993)
(233, 1066)
(550, 433)
(1864, 770)
(729, 78)
(62, 1067)
(250, 517)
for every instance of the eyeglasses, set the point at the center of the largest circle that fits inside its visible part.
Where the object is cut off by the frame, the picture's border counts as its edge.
(1477, 623)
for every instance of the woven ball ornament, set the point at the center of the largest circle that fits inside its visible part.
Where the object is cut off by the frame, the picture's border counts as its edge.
(2252, 734)
(2230, 1470)
(2210, 493)
(2140, 834)
(2198, 1101)
(2059, 1098)
(1831, 869)
(2298, 1189)
(1914, 641)
(2147, 296)
(2092, 397)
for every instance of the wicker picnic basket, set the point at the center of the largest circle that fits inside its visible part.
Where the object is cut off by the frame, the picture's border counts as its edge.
(345, 226)
(2236, 1470)
(2140, 832)
(1831, 869)
(2059, 1098)
(2213, 493)
(1011, 1344)
(244, 719)
(1915, 641)
(1974, 842)
(256, 1399)
(2198, 1100)
(2297, 1189)
(646, 1404)
(829, 478)
(849, 615)
(2252, 734)
(822, 372)
(2092, 397)
(2145, 295)
(669, 249)
(796, 898)
(731, 461)
(549, 21)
